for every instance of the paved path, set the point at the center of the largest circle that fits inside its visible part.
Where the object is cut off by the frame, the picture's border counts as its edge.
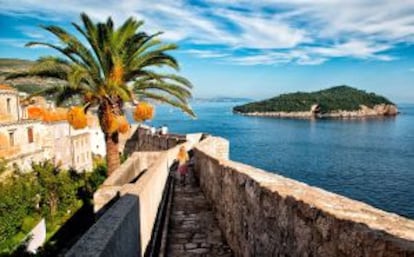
(193, 230)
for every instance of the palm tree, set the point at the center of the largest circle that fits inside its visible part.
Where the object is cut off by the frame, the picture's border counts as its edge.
(114, 66)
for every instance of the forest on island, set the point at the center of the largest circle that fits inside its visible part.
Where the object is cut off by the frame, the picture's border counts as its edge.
(336, 98)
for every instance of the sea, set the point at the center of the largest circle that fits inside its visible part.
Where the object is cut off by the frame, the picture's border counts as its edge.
(371, 160)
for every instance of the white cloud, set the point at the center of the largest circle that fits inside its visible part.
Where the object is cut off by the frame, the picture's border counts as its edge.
(306, 32)
(206, 53)
(264, 32)
(355, 48)
(261, 59)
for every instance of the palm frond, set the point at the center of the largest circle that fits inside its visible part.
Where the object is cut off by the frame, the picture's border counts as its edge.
(74, 46)
(111, 59)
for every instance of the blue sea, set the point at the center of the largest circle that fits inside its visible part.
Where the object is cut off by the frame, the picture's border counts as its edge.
(369, 160)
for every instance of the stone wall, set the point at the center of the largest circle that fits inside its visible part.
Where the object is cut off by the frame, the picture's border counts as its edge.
(114, 234)
(264, 214)
(125, 228)
(134, 219)
(140, 162)
(133, 167)
(144, 140)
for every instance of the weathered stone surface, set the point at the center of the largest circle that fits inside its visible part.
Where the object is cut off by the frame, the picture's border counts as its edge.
(193, 230)
(144, 140)
(264, 214)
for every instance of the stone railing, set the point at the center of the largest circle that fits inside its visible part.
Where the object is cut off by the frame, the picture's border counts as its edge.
(264, 214)
(125, 228)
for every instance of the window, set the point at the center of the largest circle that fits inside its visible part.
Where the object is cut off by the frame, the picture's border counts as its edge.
(30, 135)
(11, 138)
(8, 105)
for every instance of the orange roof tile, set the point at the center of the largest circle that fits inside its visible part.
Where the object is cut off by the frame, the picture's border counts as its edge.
(6, 87)
(47, 115)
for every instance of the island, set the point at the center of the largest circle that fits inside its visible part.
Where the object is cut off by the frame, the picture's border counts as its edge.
(336, 102)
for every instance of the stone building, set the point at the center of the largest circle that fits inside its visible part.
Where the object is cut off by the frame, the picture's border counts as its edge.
(24, 140)
(69, 147)
(97, 141)
(21, 141)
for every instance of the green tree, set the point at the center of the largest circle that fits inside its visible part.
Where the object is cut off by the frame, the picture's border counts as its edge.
(17, 201)
(116, 65)
(58, 191)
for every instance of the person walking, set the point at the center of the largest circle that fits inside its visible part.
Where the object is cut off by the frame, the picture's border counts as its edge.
(182, 158)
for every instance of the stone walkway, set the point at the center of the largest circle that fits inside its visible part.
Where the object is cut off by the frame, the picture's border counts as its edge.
(193, 230)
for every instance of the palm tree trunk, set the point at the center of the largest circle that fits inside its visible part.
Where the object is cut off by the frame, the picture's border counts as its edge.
(112, 154)
(111, 138)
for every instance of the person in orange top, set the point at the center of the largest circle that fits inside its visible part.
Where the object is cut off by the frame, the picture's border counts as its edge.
(182, 158)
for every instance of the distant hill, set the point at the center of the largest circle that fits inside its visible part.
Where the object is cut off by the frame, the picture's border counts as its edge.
(8, 63)
(337, 98)
(28, 85)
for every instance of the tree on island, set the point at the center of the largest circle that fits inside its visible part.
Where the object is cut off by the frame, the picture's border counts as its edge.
(116, 65)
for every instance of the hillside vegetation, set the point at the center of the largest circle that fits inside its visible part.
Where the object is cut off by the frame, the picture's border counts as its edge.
(29, 84)
(332, 99)
(10, 63)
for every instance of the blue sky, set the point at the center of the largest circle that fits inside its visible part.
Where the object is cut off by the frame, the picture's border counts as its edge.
(254, 49)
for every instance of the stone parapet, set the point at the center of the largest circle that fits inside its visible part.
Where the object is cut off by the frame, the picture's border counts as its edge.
(114, 234)
(264, 214)
(141, 178)
(135, 166)
(144, 140)
(132, 168)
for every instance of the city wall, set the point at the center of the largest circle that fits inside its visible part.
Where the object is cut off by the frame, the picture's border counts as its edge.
(264, 214)
(125, 227)
(260, 213)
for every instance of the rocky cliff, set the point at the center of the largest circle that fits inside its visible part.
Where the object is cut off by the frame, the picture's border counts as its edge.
(378, 110)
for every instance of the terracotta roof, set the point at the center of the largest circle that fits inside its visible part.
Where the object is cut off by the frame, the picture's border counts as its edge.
(6, 87)
(47, 115)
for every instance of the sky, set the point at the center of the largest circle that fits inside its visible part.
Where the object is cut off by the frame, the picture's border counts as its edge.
(256, 48)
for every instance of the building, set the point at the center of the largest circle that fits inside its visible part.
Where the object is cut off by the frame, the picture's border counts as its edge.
(25, 139)
(70, 148)
(21, 141)
(97, 141)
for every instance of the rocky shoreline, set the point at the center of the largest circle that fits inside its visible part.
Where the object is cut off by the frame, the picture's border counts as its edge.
(380, 110)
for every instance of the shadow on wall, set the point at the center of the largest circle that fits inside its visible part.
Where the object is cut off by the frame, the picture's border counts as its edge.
(116, 233)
